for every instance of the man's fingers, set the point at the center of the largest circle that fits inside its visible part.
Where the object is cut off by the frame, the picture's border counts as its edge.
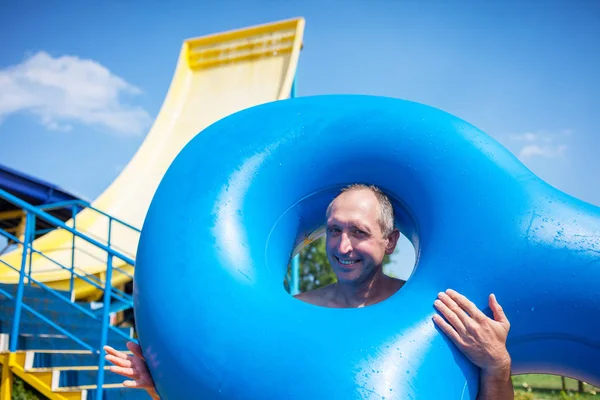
(128, 372)
(497, 310)
(119, 361)
(447, 329)
(450, 316)
(466, 305)
(135, 385)
(455, 308)
(116, 353)
(135, 349)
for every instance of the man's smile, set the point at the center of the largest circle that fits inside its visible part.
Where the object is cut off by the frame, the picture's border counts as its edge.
(346, 262)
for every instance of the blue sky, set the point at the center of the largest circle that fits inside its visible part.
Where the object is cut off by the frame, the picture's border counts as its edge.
(526, 74)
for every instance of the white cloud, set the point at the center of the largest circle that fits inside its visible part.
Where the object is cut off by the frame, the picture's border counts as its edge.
(548, 145)
(68, 89)
(532, 150)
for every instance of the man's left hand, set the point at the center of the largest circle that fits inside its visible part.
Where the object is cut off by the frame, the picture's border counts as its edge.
(480, 338)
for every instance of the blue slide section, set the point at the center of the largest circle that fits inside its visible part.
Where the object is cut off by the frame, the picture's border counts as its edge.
(30, 189)
(34, 191)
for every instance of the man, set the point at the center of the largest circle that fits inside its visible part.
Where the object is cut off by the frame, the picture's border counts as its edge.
(359, 233)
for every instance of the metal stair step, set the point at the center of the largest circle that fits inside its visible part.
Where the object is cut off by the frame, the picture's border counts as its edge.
(80, 331)
(68, 322)
(40, 299)
(79, 376)
(57, 342)
(32, 291)
(60, 359)
(45, 305)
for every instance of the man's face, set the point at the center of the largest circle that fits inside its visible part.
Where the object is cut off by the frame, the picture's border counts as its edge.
(355, 242)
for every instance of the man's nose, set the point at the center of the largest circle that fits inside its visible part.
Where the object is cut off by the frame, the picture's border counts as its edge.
(345, 245)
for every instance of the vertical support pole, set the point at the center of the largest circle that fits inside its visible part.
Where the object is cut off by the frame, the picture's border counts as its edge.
(7, 377)
(20, 229)
(295, 281)
(110, 220)
(14, 334)
(30, 264)
(105, 318)
(72, 283)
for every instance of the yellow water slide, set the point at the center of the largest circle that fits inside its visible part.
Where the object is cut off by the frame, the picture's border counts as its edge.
(216, 75)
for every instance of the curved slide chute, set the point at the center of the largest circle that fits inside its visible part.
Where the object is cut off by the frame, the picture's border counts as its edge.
(216, 75)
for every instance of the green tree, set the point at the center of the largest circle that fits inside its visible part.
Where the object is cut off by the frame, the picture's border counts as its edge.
(315, 270)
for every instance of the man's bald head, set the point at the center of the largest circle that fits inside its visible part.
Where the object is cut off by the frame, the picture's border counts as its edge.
(386, 211)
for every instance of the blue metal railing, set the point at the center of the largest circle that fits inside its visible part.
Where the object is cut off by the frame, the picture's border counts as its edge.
(32, 213)
(91, 279)
(85, 204)
(59, 296)
(74, 204)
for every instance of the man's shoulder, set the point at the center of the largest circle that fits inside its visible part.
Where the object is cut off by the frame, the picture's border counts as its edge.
(319, 297)
(397, 283)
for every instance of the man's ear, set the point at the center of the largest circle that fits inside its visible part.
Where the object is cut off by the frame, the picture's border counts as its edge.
(392, 241)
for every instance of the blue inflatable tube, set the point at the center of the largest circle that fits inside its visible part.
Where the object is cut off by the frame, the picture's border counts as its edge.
(216, 323)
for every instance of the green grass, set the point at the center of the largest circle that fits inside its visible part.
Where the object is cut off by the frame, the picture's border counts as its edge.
(552, 395)
(549, 387)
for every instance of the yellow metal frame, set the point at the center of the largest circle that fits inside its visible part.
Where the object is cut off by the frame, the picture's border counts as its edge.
(14, 364)
(270, 40)
(11, 214)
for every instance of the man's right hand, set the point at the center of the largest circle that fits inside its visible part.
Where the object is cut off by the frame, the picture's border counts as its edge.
(133, 367)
